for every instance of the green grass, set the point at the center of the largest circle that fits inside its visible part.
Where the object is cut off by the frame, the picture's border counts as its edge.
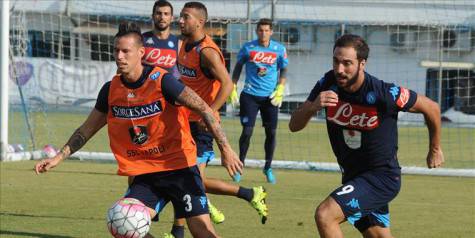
(72, 200)
(311, 144)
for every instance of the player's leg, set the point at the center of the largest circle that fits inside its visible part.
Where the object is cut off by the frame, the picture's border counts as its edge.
(269, 114)
(377, 232)
(328, 217)
(247, 114)
(200, 226)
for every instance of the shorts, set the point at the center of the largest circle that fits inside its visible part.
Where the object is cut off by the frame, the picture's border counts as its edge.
(204, 143)
(183, 187)
(250, 104)
(365, 199)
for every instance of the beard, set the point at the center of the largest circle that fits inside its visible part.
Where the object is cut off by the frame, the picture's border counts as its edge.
(160, 28)
(349, 81)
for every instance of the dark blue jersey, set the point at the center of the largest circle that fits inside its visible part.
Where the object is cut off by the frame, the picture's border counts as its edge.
(162, 53)
(363, 126)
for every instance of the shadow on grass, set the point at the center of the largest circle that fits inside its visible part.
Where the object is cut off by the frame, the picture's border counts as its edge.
(49, 216)
(66, 172)
(31, 234)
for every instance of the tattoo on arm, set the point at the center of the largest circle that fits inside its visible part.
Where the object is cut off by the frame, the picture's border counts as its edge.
(76, 142)
(191, 100)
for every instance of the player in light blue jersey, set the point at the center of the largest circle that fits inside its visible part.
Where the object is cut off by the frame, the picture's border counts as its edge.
(266, 66)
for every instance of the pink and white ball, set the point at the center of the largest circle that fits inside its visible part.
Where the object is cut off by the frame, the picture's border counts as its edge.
(128, 218)
(49, 151)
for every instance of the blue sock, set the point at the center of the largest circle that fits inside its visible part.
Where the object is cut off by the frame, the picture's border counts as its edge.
(178, 231)
(245, 193)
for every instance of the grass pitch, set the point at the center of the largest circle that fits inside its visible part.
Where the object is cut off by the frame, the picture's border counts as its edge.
(72, 200)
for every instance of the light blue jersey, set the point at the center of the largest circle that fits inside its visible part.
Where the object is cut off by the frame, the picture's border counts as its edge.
(263, 65)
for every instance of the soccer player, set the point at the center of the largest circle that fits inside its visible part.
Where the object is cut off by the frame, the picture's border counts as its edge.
(266, 66)
(202, 68)
(150, 135)
(361, 115)
(161, 47)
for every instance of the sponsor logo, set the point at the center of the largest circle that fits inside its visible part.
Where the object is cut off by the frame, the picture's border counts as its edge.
(370, 97)
(138, 134)
(155, 76)
(263, 57)
(353, 116)
(136, 112)
(165, 58)
(188, 72)
(403, 98)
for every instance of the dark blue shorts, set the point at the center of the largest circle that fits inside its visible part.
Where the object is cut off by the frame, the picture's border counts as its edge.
(365, 198)
(183, 187)
(204, 143)
(250, 104)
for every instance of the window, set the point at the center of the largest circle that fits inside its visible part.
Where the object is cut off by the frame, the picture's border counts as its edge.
(50, 44)
(102, 47)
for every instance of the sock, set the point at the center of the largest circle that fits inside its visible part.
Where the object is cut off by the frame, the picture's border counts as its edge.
(245, 193)
(178, 231)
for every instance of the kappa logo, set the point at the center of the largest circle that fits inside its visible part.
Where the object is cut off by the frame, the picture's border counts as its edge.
(353, 116)
(394, 91)
(130, 95)
(149, 41)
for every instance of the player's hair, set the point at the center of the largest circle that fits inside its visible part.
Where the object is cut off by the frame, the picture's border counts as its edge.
(130, 28)
(264, 22)
(355, 41)
(198, 6)
(162, 3)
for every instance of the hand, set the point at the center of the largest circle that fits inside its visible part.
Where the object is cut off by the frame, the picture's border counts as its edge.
(325, 99)
(277, 96)
(230, 161)
(233, 97)
(46, 164)
(435, 158)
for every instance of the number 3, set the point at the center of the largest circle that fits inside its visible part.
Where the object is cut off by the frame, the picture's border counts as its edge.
(187, 199)
(346, 189)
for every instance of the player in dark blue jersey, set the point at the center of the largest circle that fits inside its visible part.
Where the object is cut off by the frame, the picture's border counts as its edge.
(361, 114)
(161, 47)
(266, 66)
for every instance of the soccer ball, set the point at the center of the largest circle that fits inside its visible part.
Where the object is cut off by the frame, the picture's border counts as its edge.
(128, 218)
(49, 151)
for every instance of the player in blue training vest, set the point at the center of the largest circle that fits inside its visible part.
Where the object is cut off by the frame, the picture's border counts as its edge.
(361, 115)
(266, 66)
(161, 47)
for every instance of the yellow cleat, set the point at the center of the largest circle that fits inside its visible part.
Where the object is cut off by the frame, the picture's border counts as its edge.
(168, 235)
(258, 202)
(216, 215)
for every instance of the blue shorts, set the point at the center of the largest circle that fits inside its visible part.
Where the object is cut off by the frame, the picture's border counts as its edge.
(204, 143)
(365, 198)
(183, 187)
(250, 104)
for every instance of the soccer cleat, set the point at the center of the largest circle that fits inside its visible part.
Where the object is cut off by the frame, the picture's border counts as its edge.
(216, 215)
(269, 175)
(237, 177)
(258, 202)
(167, 235)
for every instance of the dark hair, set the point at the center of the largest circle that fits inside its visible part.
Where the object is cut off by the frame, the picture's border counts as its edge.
(130, 28)
(355, 41)
(162, 3)
(264, 22)
(199, 6)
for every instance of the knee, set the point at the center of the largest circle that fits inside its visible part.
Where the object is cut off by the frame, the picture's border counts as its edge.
(270, 132)
(247, 131)
(324, 215)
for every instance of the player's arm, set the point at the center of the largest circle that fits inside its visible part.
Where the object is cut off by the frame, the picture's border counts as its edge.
(95, 121)
(237, 71)
(304, 112)
(212, 61)
(431, 112)
(229, 158)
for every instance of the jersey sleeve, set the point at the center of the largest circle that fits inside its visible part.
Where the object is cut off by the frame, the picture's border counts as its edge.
(242, 56)
(171, 88)
(398, 98)
(102, 102)
(283, 60)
